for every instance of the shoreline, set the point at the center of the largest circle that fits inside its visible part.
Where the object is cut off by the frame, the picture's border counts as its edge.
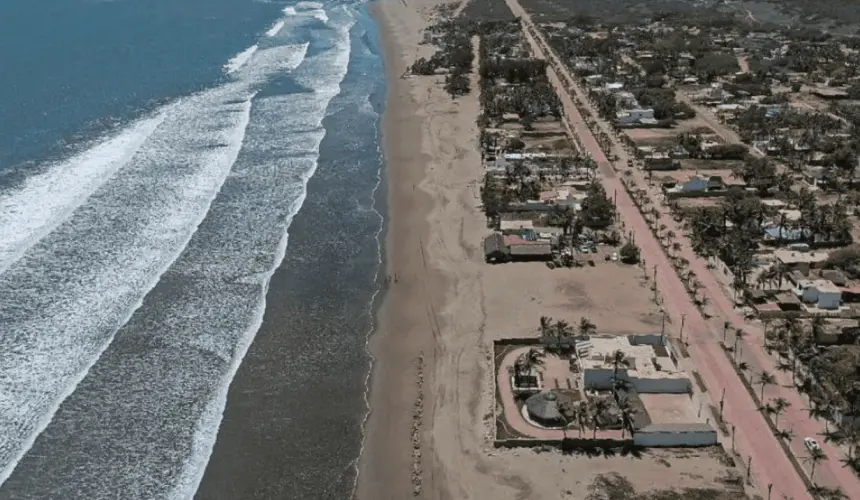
(400, 347)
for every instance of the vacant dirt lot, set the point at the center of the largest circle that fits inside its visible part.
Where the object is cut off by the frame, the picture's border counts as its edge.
(669, 408)
(612, 295)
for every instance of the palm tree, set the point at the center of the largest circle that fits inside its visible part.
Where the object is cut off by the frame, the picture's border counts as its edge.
(562, 329)
(739, 334)
(779, 406)
(627, 413)
(851, 461)
(545, 326)
(526, 363)
(618, 359)
(765, 379)
(582, 415)
(815, 456)
(600, 407)
(743, 366)
(766, 322)
(586, 327)
(670, 235)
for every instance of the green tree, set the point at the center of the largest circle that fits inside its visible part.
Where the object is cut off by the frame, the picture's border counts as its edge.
(586, 326)
(629, 253)
(597, 209)
(815, 456)
(779, 406)
(765, 379)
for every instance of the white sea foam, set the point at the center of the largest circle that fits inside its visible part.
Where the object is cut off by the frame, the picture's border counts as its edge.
(309, 5)
(320, 14)
(70, 292)
(275, 29)
(44, 201)
(240, 59)
(287, 115)
(290, 11)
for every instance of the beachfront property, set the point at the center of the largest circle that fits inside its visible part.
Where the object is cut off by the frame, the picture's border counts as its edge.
(648, 365)
(596, 390)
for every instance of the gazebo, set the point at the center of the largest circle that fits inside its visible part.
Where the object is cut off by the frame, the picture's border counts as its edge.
(548, 409)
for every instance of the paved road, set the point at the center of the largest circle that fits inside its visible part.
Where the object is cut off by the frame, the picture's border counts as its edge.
(754, 438)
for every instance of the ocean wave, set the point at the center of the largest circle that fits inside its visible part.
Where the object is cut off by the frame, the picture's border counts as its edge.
(68, 294)
(43, 201)
(240, 59)
(184, 204)
(273, 31)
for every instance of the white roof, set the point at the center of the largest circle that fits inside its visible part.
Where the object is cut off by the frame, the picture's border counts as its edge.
(516, 224)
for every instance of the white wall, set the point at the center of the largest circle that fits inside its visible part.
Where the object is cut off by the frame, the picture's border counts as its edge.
(667, 439)
(829, 300)
(810, 295)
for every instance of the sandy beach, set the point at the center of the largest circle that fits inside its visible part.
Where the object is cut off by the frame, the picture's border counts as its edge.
(430, 427)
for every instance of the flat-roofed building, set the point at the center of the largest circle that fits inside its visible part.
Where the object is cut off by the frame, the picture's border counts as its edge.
(648, 365)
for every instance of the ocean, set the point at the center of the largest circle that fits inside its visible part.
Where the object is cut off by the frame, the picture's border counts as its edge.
(191, 214)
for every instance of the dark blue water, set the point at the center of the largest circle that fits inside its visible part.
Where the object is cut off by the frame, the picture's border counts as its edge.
(74, 67)
(188, 252)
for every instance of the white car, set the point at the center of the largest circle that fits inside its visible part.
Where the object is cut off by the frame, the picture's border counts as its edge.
(811, 444)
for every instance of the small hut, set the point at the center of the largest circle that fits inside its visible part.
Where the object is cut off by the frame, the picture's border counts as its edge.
(549, 409)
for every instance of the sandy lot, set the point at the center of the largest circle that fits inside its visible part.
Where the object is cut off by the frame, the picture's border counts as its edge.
(660, 136)
(670, 408)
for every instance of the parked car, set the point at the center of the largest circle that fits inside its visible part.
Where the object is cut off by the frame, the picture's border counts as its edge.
(811, 444)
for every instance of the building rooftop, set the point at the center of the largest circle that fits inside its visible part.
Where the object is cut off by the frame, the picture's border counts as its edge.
(797, 257)
(515, 224)
(645, 360)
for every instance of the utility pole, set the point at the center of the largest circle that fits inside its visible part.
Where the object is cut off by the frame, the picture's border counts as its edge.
(683, 320)
(749, 468)
(655, 283)
(722, 402)
(725, 331)
(733, 438)
(769, 488)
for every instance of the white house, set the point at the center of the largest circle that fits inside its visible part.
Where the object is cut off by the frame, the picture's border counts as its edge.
(631, 116)
(822, 293)
(648, 365)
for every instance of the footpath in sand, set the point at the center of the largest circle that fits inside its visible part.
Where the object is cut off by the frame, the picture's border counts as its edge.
(754, 438)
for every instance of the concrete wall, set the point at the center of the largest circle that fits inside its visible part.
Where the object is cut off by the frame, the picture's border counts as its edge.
(661, 385)
(602, 379)
(671, 439)
(648, 339)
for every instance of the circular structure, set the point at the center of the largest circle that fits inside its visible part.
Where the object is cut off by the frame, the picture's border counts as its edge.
(546, 409)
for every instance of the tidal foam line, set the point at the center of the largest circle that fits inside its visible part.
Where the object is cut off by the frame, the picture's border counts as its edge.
(277, 27)
(240, 59)
(44, 201)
